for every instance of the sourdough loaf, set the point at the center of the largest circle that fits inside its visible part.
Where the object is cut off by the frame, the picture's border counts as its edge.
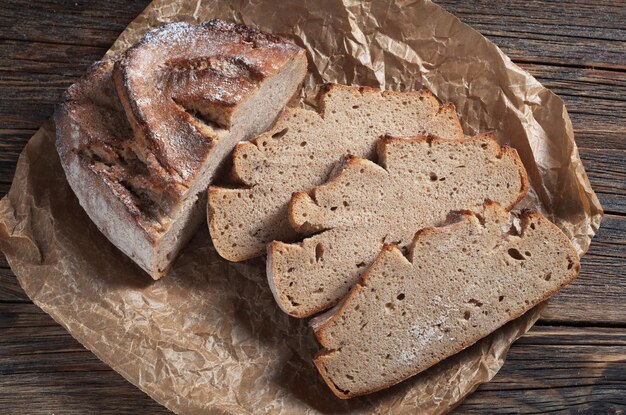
(458, 284)
(301, 150)
(141, 138)
(417, 182)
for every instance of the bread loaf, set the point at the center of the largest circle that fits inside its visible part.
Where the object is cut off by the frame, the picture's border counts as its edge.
(299, 153)
(457, 284)
(417, 182)
(141, 138)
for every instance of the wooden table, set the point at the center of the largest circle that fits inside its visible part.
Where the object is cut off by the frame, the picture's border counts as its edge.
(573, 360)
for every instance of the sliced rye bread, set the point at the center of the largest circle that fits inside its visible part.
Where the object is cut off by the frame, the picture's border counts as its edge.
(418, 182)
(140, 139)
(301, 150)
(459, 283)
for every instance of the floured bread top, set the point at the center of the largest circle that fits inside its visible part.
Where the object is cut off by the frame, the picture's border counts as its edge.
(457, 284)
(146, 124)
(417, 182)
(182, 83)
(300, 152)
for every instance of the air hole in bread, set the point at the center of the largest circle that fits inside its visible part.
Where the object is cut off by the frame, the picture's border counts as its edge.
(475, 302)
(433, 176)
(548, 276)
(527, 253)
(280, 133)
(467, 315)
(501, 298)
(293, 303)
(400, 296)
(515, 254)
(302, 144)
(319, 252)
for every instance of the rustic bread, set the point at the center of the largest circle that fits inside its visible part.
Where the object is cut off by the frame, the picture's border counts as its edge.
(140, 139)
(418, 182)
(459, 283)
(299, 153)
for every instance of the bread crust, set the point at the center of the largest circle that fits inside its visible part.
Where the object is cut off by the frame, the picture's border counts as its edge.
(526, 218)
(222, 238)
(150, 136)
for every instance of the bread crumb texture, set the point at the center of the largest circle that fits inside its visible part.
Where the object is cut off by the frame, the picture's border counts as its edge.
(457, 284)
(300, 153)
(417, 182)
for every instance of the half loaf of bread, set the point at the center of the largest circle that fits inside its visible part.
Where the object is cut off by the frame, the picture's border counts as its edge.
(417, 182)
(457, 284)
(141, 138)
(301, 150)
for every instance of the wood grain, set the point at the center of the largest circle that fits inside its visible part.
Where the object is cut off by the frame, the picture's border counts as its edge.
(570, 33)
(574, 361)
(550, 369)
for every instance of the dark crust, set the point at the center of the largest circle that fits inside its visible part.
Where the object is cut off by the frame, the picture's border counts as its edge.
(73, 99)
(239, 38)
(80, 91)
(526, 218)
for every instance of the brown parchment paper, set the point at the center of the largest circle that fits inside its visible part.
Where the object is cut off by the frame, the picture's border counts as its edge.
(208, 338)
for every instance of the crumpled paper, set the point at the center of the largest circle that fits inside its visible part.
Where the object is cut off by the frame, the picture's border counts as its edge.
(209, 337)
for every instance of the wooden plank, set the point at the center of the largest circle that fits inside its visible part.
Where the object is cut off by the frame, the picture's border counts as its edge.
(571, 33)
(3, 261)
(597, 295)
(4, 189)
(45, 350)
(20, 315)
(88, 23)
(552, 369)
(10, 290)
(11, 144)
(33, 81)
(74, 392)
(607, 172)
(595, 100)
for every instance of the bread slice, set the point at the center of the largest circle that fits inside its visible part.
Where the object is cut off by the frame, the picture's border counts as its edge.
(418, 182)
(301, 150)
(459, 283)
(140, 139)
